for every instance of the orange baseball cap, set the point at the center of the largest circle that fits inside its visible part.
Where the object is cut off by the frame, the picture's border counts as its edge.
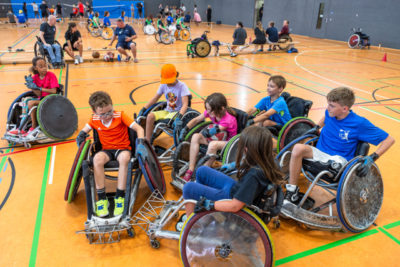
(168, 74)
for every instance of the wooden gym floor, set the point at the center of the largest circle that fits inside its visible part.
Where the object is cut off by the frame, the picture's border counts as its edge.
(38, 227)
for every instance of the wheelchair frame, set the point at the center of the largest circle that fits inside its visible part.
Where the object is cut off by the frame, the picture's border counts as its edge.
(40, 51)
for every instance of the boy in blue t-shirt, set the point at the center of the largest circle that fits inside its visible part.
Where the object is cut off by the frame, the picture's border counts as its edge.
(342, 131)
(273, 108)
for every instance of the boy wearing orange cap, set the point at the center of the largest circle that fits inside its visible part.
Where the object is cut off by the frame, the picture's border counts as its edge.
(177, 96)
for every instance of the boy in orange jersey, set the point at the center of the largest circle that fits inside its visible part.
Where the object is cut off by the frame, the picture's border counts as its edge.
(111, 126)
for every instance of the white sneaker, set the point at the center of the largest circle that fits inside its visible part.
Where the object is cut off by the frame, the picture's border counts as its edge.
(76, 62)
(80, 59)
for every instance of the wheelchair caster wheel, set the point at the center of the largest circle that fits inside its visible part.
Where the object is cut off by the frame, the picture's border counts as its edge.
(27, 145)
(90, 238)
(192, 56)
(131, 232)
(155, 243)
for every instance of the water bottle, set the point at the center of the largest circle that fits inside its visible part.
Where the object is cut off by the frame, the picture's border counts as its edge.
(119, 57)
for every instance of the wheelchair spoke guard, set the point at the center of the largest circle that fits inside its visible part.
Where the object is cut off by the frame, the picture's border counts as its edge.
(75, 175)
(57, 117)
(359, 199)
(293, 129)
(226, 239)
(151, 169)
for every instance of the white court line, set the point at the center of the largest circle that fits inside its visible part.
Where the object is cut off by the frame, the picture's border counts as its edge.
(53, 156)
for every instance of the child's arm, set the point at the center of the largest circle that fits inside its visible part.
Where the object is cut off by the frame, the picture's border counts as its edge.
(233, 205)
(138, 129)
(185, 104)
(51, 90)
(152, 101)
(251, 111)
(195, 121)
(265, 115)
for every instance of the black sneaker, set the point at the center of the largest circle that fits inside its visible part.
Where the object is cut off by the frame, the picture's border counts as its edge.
(295, 198)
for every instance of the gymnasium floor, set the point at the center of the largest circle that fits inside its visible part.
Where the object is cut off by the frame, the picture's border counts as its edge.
(38, 227)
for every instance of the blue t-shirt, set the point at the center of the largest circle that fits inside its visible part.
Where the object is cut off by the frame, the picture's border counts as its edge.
(21, 18)
(272, 34)
(170, 20)
(124, 32)
(106, 21)
(90, 16)
(341, 137)
(282, 115)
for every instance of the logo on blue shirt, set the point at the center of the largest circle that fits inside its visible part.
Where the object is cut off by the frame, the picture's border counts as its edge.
(344, 135)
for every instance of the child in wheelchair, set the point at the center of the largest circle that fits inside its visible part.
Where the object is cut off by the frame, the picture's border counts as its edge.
(257, 169)
(106, 19)
(42, 83)
(342, 131)
(177, 96)
(216, 136)
(111, 127)
(160, 25)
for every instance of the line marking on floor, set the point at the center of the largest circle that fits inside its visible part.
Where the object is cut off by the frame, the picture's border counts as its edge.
(53, 156)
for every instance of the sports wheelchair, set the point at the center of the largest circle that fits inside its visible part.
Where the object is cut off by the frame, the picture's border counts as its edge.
(56, 116)
(215, 237)
(149, 29)
(41, 52)
(200, 47)
(182, 34)
(108, 230)
(165, 155)
(165, 37)
(296, 127)
(358, 199)
(358, 39)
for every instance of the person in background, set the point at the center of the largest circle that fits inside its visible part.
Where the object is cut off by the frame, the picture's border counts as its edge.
(44, 8)
(35, 10)
(187, 17)
(272, 34)
(12, 19)
(260, 37)
(25, 9)
(285, 28)
(239, 37)
(21, 19)
(208, 12)
(59, 10)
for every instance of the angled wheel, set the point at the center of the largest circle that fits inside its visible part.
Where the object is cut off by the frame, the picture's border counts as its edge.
(226, 239)
(57, 117)
(354, 41)
(293, 129)
(75, 175)
(184, 35)
(180, 162)
(359, 199)
(107, 33)
(230, 150)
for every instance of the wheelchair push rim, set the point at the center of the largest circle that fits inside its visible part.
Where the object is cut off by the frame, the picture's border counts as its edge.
(226, 239)
(57, 117)
(75, 175)
(293, 129)
(359, 199)
(151, 169)
(202, 48)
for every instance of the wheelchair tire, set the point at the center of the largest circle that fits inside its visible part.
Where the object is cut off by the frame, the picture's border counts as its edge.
(107, 33)
(216, 238)
(202, 48)
(15, 117)
(151, 169)
(149, 29)
(186, 118)
(57, 117)
(230, 150)
(354, 41)
(155, 107)
(166, 38)
(184, 35)
(196, 129)
(75, 175)
(157, 37)
(359, 199)
(176, 35)
(293, 129)
(283, 42)
(180, 163)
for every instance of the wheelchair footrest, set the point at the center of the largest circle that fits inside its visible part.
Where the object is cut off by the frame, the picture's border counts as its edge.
(311, 219)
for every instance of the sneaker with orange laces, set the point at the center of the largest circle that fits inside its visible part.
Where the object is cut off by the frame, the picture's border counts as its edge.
(188, 175)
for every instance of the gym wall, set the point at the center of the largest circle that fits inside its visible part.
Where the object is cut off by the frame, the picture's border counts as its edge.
(4, 8)
(378, 19)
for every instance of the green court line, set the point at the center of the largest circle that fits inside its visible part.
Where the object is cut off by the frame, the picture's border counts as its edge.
(38, 223)
(325, 247)
(3, 160)
(2, 66)
(391, 225)
(389, 235)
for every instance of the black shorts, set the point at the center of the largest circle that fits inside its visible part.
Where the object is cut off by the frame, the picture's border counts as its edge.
(81, 14)
(73, 48)
(113, 153)
(44, 15)
(125, 45)
(36, 13)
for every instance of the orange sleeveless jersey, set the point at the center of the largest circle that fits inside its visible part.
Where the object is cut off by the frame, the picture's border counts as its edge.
(115, 136)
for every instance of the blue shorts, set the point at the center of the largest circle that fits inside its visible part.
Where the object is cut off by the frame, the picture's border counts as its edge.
(125, 45)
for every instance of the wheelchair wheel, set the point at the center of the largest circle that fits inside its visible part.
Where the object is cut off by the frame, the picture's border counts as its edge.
(354, 41)
(184, 35)
(157, 37)
(57, 117)
(188, 116)
(13, 114)
(359, 199)
(75, 175)
(226, 239)
(149, 29)
(156, 107)
(176, 34)
(40, 52)
(293, 129)
(284, 41)
(202, 48)
(180, 162)
(107, 33)
(230, 150)
(166, 38)
(151, 169)
(196, 129)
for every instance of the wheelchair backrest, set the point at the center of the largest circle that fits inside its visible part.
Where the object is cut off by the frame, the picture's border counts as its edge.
(362, 149)
(132, 140)
(298, 107)
(241, 119)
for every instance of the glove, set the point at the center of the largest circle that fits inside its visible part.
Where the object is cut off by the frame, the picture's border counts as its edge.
(178, 123)
(228, 167)
(142, 111)
(204, 205)
(183, 133)
(207, 133)
(250, 122)
(366, 164)
(81, 138)
(141, 150)
(313, 131)
(30, 84)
